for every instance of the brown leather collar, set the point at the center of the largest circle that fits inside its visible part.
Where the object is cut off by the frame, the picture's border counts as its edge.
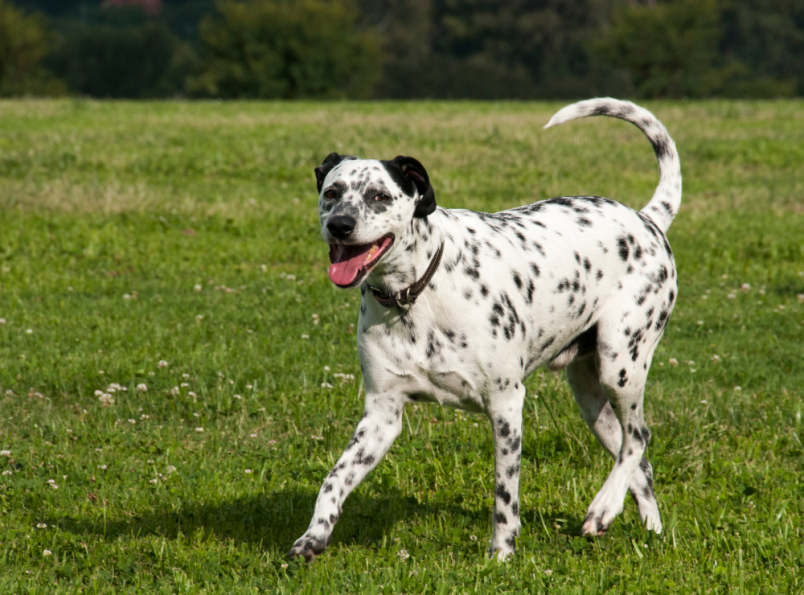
(408, 296)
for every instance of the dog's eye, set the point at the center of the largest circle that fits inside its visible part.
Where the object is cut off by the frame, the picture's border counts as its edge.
(330, 194)
(382, 197)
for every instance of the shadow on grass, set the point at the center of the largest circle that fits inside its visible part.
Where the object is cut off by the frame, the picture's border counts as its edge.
(271, 521)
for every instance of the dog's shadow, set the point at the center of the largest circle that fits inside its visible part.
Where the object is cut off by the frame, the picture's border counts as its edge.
(270, 521)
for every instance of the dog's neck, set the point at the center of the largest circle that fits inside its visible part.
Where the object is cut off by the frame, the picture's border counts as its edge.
(408, 259)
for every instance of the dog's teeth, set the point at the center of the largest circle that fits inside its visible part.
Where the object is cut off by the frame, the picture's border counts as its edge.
(371, 252)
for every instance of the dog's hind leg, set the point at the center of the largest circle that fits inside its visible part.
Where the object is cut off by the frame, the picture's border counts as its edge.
(374, 435)
(600, 416)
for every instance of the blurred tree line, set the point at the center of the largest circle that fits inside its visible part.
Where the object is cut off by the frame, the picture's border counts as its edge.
(479, 49)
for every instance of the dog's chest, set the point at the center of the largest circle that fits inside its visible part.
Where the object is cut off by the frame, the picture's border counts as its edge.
(411, 354)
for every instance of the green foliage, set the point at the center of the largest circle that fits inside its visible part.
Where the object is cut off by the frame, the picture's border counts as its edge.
(767, 38)
(484, 49)
(122, 60)
(669, 49)
(103, 200)
(273, 49)
(24, 42)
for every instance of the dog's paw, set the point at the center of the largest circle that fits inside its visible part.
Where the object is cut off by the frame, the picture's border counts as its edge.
(308, 546)
(594, 525)
(653, 522)
(502, 555)
(503, 550)
(604, 509)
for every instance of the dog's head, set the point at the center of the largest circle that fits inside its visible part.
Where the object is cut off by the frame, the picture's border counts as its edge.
(364, 206)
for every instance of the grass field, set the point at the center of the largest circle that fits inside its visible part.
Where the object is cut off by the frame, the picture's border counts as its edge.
(174, 247)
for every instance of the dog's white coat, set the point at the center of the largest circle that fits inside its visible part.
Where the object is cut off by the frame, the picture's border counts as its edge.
(581, 282)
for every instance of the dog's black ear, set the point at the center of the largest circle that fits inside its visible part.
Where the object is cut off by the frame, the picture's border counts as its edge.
(415, 172)
(330, 161)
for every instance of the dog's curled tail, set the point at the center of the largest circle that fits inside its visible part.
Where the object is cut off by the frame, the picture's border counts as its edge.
(666, 200)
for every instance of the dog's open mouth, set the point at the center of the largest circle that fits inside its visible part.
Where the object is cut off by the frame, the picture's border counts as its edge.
(351, 263)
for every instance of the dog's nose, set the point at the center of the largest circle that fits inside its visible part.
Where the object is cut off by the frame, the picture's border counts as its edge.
(341, 226)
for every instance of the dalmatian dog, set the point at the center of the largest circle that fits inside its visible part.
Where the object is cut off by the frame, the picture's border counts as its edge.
(459, 307)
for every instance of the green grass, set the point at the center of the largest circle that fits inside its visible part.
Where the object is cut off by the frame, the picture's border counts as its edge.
(204, 215)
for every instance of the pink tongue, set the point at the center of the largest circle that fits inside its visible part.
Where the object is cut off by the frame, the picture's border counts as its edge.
(347, 262)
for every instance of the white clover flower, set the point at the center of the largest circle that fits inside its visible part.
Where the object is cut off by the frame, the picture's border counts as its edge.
(106, 399)
(248, 471)
(473, 538)
(249, 386)
(305, 336)
(41, 526)
(192, 394)
(132, 421)
(171, 469)
(162, 364)
(716, 358)
(745, 287)
(197, 287)
(104, 467)
(731, 296)
(737, 389)
(403, 554)
(174, 391)
(271, 442)
(237, 397)
(5, 453)
(199, 429)
(8, 472)
(154, 481)
(326, 385)
(2, 320)
(548, 572)
(98, 393)
(184, 385)
(126, 296)
(199, 318)
(29, 332)
(673, 362)
(253, 435)
(47, 553)
(143, 388)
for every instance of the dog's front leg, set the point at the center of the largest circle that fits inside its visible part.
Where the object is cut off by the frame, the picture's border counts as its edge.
(506, 423)
(374, 435)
